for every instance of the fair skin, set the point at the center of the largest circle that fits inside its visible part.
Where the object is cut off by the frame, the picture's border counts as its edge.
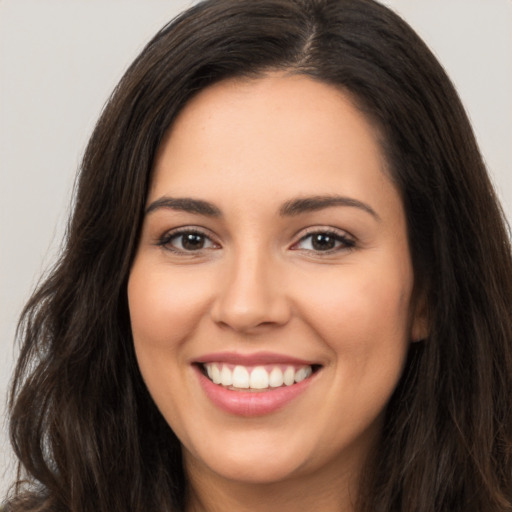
(257, 277)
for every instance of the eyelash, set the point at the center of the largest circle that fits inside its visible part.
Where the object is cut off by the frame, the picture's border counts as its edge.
(166, 240)
(342, 241)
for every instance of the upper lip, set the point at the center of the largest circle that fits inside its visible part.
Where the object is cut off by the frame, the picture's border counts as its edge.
(255, 359)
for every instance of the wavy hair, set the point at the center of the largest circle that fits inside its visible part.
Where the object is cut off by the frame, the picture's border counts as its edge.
(83, 426)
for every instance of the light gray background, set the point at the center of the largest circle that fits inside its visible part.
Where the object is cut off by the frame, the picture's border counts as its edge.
(60, 59)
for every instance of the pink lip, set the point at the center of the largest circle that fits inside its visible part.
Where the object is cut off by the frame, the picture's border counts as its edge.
(251, 403)
(258, 358)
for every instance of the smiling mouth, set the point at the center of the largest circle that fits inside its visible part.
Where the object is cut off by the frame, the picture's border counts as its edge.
(256, 378)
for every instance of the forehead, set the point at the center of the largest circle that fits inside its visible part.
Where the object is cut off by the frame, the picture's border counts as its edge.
(300, 135)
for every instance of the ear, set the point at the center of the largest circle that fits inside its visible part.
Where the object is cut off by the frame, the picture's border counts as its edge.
(420, 327)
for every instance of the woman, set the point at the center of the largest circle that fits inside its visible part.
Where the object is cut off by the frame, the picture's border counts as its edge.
(286, 282)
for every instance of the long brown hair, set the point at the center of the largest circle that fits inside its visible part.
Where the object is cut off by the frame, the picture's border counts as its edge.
(85, 430)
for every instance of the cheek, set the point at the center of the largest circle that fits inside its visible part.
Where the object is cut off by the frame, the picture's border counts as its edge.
(164, 306)
(164, 310)
(362, 305)
(361, 310)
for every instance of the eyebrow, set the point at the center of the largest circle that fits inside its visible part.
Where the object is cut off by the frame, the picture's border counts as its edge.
(288, 209)
(185, 204)
(315, 203)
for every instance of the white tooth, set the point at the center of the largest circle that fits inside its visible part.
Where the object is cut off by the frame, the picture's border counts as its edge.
(300, 375)
(226, 377)
(289, 376)
(259, 378)
(276, 378)
(215, 374)
(208, 368)
(240, 377)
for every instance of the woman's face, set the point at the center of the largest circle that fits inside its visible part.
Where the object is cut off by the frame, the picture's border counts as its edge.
(273, 250)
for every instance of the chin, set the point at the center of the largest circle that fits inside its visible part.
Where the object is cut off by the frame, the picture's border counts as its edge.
(261, 469)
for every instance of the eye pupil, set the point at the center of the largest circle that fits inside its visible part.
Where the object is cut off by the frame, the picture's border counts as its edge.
(323, 242)
(192, 241)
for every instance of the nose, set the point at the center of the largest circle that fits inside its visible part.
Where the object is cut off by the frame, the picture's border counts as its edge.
(251, 295)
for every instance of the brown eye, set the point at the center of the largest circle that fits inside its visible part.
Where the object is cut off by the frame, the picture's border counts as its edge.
(192, 241)
(324, 241)
(186, 241)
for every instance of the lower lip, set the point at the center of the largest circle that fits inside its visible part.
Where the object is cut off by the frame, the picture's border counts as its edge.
(253, 403)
